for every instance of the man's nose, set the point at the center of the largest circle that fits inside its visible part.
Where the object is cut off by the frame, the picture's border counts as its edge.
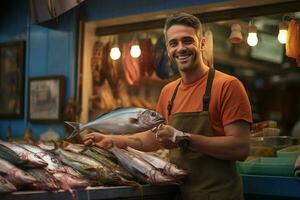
(181, 46)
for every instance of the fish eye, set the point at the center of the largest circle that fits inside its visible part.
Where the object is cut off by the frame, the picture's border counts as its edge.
(54, 160)
(153, 114)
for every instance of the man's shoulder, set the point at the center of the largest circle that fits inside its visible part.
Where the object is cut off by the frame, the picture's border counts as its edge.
(222, 77)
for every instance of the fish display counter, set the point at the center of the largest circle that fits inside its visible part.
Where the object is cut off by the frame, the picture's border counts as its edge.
(100, 192)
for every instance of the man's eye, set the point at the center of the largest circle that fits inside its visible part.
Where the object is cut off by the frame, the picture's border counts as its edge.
(172, 44)
(188, 41)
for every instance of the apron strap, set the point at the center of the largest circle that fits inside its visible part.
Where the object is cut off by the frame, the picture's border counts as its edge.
(170, 103)
(207, 94)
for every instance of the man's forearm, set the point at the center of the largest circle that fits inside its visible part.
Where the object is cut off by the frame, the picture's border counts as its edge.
(223, 147)
(144, 141)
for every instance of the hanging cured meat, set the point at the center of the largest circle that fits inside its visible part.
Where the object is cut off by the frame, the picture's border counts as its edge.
(163, 67)
(110, 67)
(130, 65)
(293, 41)
(96, 66)
(146, 59)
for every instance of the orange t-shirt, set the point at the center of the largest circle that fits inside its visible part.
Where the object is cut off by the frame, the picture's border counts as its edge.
(228, 102)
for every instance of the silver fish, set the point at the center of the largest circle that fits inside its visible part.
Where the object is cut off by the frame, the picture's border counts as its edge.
(6, 186)
(32, 160)
(15, 175)
(121, 121)
(54, 164)
(45, 180)
(141, 169)
(70, 181)
(105, 175)
(167, 168)
(11, 156)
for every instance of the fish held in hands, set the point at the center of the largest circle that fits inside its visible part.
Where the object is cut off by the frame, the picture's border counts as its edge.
(121, 121)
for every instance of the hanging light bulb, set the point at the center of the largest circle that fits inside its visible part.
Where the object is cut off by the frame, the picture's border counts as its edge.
(115, 53)
(135, 50)
(282, 35)
(252, 35)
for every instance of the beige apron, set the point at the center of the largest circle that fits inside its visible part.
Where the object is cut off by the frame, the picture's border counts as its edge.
(209, 178)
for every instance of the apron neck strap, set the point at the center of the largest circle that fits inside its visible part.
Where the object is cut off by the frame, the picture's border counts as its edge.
(207, 94)
(170, 103)
(206, 97)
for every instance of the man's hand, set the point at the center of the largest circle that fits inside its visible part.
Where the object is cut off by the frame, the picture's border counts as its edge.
(103, 141)
(166, 136)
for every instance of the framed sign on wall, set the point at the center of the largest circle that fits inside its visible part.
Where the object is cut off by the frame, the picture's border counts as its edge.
(46, 95)
(12, 79)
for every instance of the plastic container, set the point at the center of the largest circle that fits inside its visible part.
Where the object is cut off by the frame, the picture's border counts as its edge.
(274, 166)
(263, 124)
(291, 151)
(267, 132)
(272, 141)
(261, 151)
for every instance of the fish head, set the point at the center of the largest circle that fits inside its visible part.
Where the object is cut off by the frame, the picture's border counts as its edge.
(176, 172)
(6, 186)
(150, 119)
(157, 178)
(24, 177)
(35, 161)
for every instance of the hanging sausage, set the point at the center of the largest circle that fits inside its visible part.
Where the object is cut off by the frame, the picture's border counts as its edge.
(146, 59)
(130, 65)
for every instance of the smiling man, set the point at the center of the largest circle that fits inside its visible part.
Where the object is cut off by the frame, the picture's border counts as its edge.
(208, 117)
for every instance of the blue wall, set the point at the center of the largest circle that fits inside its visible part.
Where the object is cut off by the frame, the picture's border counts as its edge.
(49, 51)
(52, 51)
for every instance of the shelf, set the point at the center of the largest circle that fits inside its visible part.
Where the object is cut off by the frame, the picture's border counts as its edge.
(95, 193)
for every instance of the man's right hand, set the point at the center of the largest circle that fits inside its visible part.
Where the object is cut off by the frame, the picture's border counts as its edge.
(103, 141)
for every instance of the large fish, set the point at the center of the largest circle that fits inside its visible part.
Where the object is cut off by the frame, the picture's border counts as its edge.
(45, 180)
(30, 158)
(104, 174)
(121, 121)
(15, 175)
(167, 168)
(54, 164)
(69, 182)
(141, 169)
(11, 156)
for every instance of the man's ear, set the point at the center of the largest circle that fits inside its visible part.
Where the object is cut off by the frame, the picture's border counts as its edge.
(202, 43)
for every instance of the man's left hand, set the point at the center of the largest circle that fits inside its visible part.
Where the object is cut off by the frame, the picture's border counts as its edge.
(165, 135)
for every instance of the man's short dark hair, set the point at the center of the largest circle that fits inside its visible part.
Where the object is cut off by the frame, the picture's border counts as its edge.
(183, 19)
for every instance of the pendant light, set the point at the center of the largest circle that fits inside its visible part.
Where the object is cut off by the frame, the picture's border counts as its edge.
(282, 34)
(252, 39)
(135, 50)
(115, 52)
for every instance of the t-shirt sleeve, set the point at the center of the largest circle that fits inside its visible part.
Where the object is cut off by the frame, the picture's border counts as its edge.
(235, 103)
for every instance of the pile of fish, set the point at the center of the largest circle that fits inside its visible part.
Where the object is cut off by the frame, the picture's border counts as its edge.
(24, 166)
(53, 166)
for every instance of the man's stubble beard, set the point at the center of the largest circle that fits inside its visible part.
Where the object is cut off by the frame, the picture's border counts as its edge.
(192, 64)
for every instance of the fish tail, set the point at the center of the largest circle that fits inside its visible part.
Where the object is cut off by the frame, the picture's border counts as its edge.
(76, 126)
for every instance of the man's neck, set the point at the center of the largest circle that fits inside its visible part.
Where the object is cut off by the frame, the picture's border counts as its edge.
(192, 76)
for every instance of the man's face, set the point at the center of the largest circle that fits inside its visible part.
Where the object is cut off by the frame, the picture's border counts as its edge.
(183, 47)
